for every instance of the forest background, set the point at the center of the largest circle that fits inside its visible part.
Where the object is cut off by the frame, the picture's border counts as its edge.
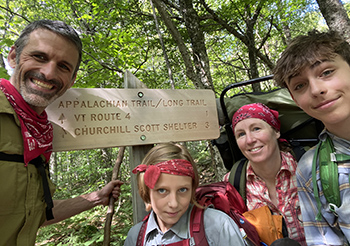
(167, 44)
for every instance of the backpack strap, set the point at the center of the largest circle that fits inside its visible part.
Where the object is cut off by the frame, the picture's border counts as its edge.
(238, 177)
(197, 226)
(327, 159)
(40, 165)
(142, 231)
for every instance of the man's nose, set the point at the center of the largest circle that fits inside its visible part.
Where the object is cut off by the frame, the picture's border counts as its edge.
(49, 70)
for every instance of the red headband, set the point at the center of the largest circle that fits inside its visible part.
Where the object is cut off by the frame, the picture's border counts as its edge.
(175, 167)
(259, 111)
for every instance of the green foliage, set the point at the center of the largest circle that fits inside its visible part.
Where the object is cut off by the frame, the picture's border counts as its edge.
(3, 73)
(121, 35)
(80, 172)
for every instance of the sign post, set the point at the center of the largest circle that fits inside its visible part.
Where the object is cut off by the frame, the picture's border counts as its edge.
(136, 155)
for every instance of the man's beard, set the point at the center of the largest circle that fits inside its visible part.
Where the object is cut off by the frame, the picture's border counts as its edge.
(37, 98)
(34, 97)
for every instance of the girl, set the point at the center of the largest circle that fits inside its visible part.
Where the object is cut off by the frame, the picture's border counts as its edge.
(167, 181)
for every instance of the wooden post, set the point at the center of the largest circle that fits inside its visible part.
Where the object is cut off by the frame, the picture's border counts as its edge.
(137, 153)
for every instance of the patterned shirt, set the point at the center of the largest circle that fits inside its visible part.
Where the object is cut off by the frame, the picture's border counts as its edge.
(330, 230)
(287, 196)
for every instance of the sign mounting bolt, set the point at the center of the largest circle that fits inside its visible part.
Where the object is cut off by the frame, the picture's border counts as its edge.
(140, 94)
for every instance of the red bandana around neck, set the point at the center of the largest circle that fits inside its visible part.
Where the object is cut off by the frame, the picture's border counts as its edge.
(175, 167)
(36, 130)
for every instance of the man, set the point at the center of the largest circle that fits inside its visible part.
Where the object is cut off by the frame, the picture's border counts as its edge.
(45, 60)
(315, 69)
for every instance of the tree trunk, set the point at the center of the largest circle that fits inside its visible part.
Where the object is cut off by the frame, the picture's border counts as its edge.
(336, 17)
(200, 56)
(163, 47)
(190, 71)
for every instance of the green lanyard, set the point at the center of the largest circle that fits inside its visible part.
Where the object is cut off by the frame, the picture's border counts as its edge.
(328, 167)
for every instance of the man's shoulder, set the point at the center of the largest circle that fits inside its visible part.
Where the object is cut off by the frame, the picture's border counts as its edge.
(5, 106)
(306, 160)
(304, 168)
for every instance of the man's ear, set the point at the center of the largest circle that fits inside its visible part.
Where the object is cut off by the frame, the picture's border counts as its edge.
(11, 58)
(73, 80)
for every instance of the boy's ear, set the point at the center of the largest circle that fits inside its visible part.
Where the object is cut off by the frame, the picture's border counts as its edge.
(293, 97)
(296, 102)
(11, 58)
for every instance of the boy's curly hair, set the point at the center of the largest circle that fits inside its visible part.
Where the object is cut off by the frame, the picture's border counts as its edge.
(305, 50)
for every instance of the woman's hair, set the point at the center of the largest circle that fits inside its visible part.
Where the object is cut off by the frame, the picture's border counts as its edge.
(165, 152)
(58, 27)
(305, 50)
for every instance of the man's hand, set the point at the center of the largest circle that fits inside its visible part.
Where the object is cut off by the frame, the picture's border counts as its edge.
(64, 209)
(112, 188)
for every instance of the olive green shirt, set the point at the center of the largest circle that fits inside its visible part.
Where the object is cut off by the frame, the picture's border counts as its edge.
(22, 205)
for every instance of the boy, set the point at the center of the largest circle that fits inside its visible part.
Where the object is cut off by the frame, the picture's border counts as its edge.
(315, 69)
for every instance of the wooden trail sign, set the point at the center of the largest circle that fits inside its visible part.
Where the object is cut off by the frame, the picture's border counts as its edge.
(101, 118)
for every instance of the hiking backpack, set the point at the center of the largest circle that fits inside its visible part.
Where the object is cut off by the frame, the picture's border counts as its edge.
(219, 195)
(297, 127)
(223, 196)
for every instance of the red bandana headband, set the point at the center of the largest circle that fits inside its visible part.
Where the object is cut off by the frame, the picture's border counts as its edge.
(175, 167)
(259, 111)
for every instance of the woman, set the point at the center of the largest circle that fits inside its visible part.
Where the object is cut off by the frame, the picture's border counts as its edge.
(270, 169)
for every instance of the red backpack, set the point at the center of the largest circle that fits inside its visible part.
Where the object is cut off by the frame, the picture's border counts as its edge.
(219, 195)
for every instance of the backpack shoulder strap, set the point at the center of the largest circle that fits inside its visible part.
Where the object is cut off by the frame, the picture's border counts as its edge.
(238, 177)
(326, 158)
(142, 231)
(197, 226)
(40, 165)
